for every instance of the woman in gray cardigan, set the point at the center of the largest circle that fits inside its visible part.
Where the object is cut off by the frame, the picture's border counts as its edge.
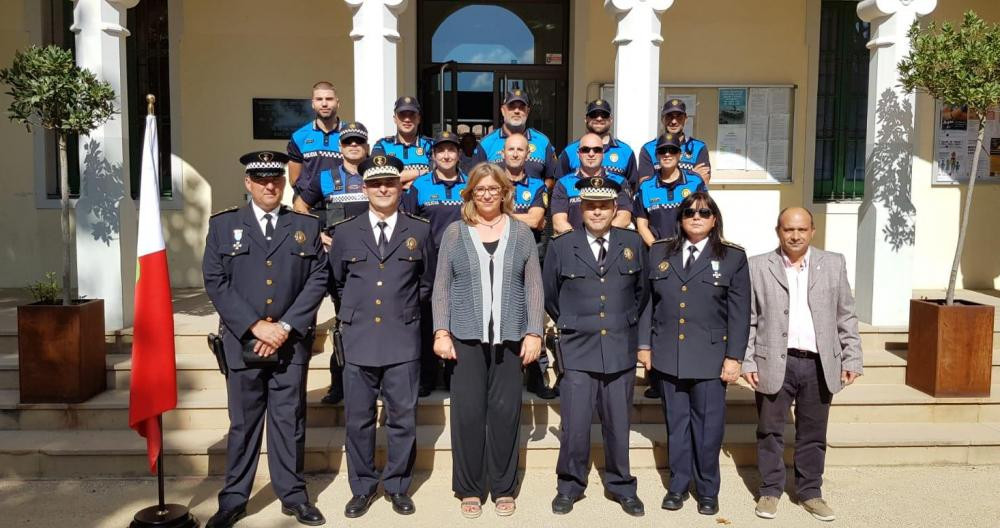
(488, 318)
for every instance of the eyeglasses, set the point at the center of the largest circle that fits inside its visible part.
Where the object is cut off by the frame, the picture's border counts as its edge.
(704, 212)
(673, 151)
(599, 115)
(479, 192)
(353, 141)
(587, 150)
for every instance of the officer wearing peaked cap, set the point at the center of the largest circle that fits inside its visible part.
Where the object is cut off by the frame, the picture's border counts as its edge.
(407, 144)
(595, 287)
(265, 274)
(542, 162)
(694, 152)
(656, 203)
(382, 266)
(619, 159)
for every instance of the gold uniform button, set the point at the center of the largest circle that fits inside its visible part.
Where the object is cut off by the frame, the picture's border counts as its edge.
(602, 279)
(269, 301)
(378, 301)
(268, 263)
(725, 338)
(604, 332)
(378, 319)
(269, 282)
(602, 314)
(354, 259)
(302, 254)
(681, 321)
(381, 266)
(683, 305)
(604, 297)
(684, 288)
(681, 337)
(379, 283)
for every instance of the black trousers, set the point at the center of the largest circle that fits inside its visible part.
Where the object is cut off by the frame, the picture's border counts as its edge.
(806, 387)
(695, 413)
(398, 386)
(612, 395)
(280, 394)
(485, 419)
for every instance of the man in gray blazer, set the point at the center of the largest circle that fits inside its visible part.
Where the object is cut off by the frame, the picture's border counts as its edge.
(804, 347)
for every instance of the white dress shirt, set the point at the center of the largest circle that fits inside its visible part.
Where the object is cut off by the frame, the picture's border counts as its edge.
(686, 253)
(389, 220)
(595, 247)
(801, 332)
(259, 213)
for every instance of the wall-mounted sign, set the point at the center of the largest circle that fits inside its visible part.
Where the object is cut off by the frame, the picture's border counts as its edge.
(279, 118)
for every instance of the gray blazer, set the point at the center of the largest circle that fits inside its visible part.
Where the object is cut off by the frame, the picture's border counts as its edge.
(457, 299)
(832, 306)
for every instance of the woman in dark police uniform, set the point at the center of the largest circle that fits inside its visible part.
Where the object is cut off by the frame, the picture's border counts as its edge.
(693, 334)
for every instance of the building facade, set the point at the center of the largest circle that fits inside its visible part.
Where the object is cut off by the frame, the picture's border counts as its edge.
(229, 73)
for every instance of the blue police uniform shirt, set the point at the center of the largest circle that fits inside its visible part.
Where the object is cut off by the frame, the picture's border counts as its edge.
(529, 192)
(317, 151)
(658, 202)
(541, 161)
(693, 152)
(566, 198)
(619, 159)
(435, 200)
(340, 186)
(414, 157)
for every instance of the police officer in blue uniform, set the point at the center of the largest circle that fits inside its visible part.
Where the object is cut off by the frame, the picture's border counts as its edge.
(619, 159)
(694, 152)
(541, 162)
(315, 147)
(407, 145)
(530, 202)
(265, 274)
(694, 334)
(436, 196)
(656, 203)
(595, 288)
(382, 265)
(565, 204)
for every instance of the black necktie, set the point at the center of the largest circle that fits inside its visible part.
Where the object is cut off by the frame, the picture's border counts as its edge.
(382, 243)
(269, 228)
(602, 253)
(691, 257)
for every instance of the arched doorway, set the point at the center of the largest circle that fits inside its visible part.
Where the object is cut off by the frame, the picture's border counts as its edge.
(471, 53)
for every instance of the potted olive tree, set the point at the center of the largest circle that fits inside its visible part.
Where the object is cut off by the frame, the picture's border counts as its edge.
(951, 342)
(60, 342)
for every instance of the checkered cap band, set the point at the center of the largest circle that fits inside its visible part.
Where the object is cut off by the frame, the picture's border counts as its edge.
(265, 165)
(604, 193)
(380, 172)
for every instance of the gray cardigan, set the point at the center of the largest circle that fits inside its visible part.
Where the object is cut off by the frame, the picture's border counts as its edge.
(458, 295)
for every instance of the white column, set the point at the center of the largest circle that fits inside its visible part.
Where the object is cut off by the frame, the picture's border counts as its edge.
(105, 213)
(887, 217)
(637, 67)
(375, 33)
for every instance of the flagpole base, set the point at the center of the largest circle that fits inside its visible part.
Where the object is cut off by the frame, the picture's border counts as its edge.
(170, 516)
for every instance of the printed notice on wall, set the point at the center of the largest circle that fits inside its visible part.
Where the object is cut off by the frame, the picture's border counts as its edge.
(732, 134)
(955, 139)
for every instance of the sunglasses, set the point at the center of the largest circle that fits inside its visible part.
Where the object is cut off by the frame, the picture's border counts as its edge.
(587, 150)
(599, 115)
(704, 212)
(668, 150)
(354, 141)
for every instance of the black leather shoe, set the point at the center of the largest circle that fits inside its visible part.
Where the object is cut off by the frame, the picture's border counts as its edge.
(562, 504)
(305, 513)
(708, 505)
(632, 506)
(401, 503)
(358, 505)
(424, 390)
(652, 392)
(334, 396)
(226, 518)
(674, 501)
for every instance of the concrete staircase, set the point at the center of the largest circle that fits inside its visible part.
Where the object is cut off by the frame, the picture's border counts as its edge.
(877, 421)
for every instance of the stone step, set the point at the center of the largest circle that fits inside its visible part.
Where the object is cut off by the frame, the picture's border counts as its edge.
(201, 452)
(206, 409)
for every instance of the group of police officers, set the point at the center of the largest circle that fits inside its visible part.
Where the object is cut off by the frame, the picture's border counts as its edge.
(365, 228)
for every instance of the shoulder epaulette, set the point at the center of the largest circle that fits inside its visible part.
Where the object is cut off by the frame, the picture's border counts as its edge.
(229, 210)
(415, 217)
(557, 235)
(668, 239)
(310, 215)
(338, 222)
(732, 245)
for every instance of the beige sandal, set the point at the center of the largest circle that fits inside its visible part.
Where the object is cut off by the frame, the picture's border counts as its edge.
(505, 506)
(472, 507)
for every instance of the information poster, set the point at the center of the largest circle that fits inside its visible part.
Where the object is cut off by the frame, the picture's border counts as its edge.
(955, 145)
(732, 135)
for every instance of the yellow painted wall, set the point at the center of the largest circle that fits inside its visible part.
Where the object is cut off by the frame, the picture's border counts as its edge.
(32, 242)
